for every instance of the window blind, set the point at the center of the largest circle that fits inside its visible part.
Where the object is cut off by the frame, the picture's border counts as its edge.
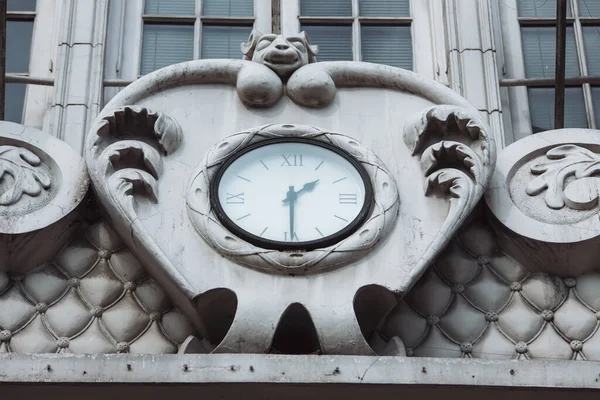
(541, 108)
(596, 99)
(589, 8)
(170, 7)
(163, 45)
(539, 8)
(20, 5)
(539, 52)
(326, 8)
(591, 42)
(18, 48)
(223, 41)
(228, 8)
(391, 45)
(335, 42)
(384, 8)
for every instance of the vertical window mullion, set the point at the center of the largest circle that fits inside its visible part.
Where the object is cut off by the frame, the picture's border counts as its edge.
(290, 11)
(198, 31)
(355, 31)
(581, 55)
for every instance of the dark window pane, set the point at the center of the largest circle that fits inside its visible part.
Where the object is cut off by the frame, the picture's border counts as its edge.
(170, 7)
(384, 8)
(541, 107)
(13, 105)
(391, 45)
(18, 45)
(596, 98)
(223, 41)
(164, 45)
(589, 8)
(326, 8)
(20, 5)
(540, 8)
(228, 8)
(539, 52)
(591, 40)
(335, 42)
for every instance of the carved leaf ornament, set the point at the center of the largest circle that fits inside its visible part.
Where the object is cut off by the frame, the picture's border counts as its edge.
(565, 162)
(22, 165)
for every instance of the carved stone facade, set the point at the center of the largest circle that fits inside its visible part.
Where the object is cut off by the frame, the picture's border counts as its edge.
(453, 259)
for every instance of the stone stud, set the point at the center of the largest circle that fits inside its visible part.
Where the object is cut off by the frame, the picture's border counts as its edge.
(155, 316)
(576, 345)
(516, 286)
(466, 347)
(63, 342)
(548, 315)
(130, 285)
(97, 311)
(433, 320)
(458, 288)
(104, 253)
(17, 277)
(410, 352)
(521, 347)
(491, 316)
(5, 335)
(570, 282)
(122, 347)
(73, 282)
(41, 307)
(483, 260)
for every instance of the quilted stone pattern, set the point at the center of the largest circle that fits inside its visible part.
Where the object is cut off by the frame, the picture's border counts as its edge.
(94, 298)
(478, 302)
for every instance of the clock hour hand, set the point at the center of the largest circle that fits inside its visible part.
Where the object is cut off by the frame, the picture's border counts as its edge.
(306, 188)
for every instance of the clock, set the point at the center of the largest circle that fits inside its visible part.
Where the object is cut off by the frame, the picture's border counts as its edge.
(291, 193)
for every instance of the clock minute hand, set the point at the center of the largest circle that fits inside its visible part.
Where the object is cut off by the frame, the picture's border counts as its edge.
(306, 188)
(291, 199)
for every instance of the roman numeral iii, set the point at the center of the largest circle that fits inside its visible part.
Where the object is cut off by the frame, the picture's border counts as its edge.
(347, 198)
(235, 198)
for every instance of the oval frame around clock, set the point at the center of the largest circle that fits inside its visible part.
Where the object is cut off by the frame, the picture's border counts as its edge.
(378, 220)
(289, 246)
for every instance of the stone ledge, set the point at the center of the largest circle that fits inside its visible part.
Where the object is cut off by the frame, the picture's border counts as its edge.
(294, 370)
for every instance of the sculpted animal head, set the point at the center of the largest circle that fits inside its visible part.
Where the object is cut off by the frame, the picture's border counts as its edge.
(282, 55)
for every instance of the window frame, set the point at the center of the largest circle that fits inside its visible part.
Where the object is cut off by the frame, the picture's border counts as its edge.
(425, 18)
(513, 74)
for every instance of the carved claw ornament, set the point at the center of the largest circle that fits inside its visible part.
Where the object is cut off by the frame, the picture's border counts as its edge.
(569, 177)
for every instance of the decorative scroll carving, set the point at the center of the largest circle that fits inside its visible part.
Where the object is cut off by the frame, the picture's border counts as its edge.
(378, 224)
(126, 163)
(456, 169)
(27, 178)
(567, 161)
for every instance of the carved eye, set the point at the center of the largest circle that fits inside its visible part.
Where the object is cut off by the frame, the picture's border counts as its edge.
(263, 43)
(299, 45)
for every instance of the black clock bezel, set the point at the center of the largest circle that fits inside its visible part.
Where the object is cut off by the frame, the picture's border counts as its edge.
(292, 246)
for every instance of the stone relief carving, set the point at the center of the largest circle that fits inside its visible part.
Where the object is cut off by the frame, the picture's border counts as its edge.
(284, 55)
(379, 222)
(543, 199)
(567, 161)
(27, 175)
(42, 183)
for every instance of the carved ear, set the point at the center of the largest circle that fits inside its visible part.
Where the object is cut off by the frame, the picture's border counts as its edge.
(250, 45)
(312, 50)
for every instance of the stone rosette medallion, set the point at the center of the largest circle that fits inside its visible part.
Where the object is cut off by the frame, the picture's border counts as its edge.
(154, 149)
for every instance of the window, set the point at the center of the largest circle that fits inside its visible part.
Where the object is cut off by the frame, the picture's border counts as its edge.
(377, 31)
(19, 31)
(531, 58)
(182, 30)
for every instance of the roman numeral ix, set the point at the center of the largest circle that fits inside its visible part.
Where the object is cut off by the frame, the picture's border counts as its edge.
(235, 198)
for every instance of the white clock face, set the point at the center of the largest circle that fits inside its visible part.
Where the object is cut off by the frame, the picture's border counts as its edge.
(291, 193)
